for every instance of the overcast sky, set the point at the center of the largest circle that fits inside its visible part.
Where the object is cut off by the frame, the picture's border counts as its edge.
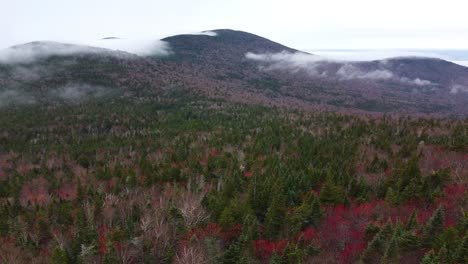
(302, 24)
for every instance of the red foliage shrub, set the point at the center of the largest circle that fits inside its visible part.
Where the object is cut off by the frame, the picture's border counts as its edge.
(67, 192)
(35, 192)
(264, 249)
(102, 235)
(308, 235)
(232, 232)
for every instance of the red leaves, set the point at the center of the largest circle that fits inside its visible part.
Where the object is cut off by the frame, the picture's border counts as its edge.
(455, 191)
(307, 235)
(352, 251)
(212, 229)
(102, 234)
(213, 152)
(248, 174)
(67, 193)
(264, 249)
(343, 229)
(232, 232)
(35, 192)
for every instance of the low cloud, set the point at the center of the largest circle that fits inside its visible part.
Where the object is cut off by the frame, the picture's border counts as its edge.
(417, 81)
(205, 33)
(462, 63)
(349, 71)
(79, 92)
(294, 62)
(317, 66)
(456, 88)
(32, 51)
(369, 55)
(70, 93)
(13, 97)
(141, 47)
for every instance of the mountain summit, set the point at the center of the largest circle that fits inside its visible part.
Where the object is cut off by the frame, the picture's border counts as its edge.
(243, 67)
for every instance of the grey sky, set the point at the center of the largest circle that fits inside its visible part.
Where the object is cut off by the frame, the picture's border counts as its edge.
(300, 24)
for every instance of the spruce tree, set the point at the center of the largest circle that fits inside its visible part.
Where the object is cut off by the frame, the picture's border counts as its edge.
(462, 250)
(59, 256)
(412, 222)
(434, 226)
(276, 211)
(430, 258)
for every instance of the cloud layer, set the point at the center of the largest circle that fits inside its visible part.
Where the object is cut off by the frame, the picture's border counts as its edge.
(33, 51)
(142, 47)
(316, 66)
(69, 93)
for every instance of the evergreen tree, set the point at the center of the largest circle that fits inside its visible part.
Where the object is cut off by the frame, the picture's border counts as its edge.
(330, 193)
(292, 254)
(434, 226)
(391, 197)
(59, 256)
(462, 250)
(276, 211)
(412, 222)
(430, 258)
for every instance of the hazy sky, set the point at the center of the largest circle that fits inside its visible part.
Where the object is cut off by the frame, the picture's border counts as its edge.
(303, 24)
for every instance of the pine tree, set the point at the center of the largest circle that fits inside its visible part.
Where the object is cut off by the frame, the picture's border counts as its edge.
(292, 254)
(317, 212)
(434, 226)
(275, 259)
(275, 214)
(412, 222)
(391, 252)
(443, 255)
(330, 193)
(377, 244)
(430, 258)
(59, 256)
(462, 250)
(391, 197)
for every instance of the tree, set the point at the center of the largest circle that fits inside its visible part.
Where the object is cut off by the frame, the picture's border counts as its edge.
(430, 258)
(434, 226)
(331, 194)
(59, 256)
(391, 252)
(275, 215)
(462, 250)
(412, 222)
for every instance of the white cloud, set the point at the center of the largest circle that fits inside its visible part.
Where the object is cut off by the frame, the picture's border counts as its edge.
(369, 55)
(40, 49)
(32, 51)
(311, 64)
(455, 89)
(77, 92)
(417, 81)
(142, 47)
(348, 72)
(462, 63)
(288, 61)
(14, 97)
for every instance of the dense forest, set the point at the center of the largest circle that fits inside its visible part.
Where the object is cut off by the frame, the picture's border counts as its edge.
(186, 179)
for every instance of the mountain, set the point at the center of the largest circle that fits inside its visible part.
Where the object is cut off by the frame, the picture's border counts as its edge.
(243, 67)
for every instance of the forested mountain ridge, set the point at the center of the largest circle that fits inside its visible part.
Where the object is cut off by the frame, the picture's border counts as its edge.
(242, 67)
(266, 155)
